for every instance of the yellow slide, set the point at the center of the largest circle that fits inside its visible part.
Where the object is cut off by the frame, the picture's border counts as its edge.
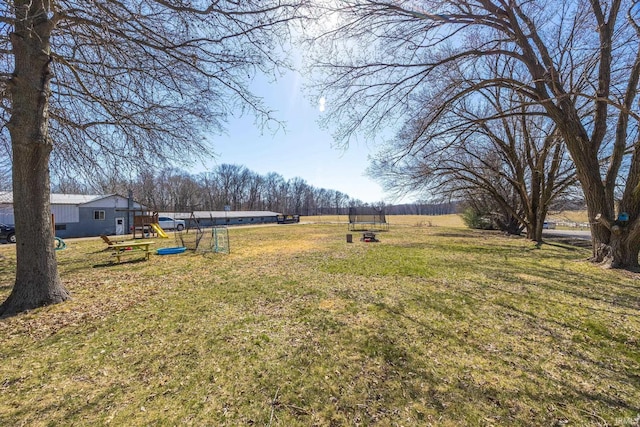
(159, 230)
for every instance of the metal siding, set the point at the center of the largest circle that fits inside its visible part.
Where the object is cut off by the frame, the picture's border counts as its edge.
(6, 214)
(65, 214)
(92, 227)
(86, 226)
(78, 221)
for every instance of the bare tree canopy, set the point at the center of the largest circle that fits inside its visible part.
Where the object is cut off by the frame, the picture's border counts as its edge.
(134, 84)
(119, 85)
(492, 150)
(491, 145)
(380, 63)
(224, 185)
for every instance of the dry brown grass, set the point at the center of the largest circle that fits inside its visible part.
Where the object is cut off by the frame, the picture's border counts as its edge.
(452, 220)
(569, 216)
(432, 326)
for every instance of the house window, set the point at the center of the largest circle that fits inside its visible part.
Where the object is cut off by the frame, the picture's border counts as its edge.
(61, 227)
(98, 215)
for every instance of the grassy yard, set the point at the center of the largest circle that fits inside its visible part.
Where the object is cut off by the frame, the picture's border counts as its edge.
(433, 325)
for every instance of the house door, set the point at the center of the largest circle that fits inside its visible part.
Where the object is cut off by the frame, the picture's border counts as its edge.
(119, 226)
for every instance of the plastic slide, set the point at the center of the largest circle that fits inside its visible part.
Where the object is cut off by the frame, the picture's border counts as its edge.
(159, 230)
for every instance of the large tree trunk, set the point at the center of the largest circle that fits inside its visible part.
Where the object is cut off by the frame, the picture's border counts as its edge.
(621, 252)
(613, 246)
(37, 282)
(622, 246)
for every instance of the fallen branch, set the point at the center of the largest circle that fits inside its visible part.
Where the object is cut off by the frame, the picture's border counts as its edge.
(273, 405)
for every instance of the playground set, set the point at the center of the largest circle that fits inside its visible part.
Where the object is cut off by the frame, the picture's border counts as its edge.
(146, 225)
(193, 237)
(197, 238)
(58, 243)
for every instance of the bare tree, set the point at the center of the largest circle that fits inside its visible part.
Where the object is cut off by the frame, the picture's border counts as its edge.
(254, 191)
(338, 201)
(274, 185)
(209, 190)
(491, 147)
(380, 55)
(116, 86)
(232, 180)
(298, 192)
(70, 186)
(323, 200)
(180, 190)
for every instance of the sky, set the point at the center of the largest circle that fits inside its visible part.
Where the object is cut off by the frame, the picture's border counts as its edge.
(303, 150)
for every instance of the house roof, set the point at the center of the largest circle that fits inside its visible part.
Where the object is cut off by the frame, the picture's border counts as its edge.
(218, 214)
(74, 199)
(61, 199)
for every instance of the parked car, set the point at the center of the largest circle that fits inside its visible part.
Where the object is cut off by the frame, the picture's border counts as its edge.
(7, 233)
(548, 225)
(168, 223)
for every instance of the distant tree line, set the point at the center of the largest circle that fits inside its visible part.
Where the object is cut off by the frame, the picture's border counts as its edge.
(174, 190)
(422, 208)
(236, 186)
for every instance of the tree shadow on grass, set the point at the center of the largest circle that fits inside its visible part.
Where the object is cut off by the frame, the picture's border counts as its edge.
(115, 264)
(460, 235)
(537, 384)
(565, 242)
(557, 281)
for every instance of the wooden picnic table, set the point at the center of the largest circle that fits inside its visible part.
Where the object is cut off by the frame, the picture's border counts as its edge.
(126, 248)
